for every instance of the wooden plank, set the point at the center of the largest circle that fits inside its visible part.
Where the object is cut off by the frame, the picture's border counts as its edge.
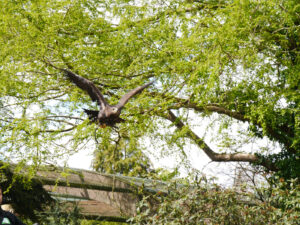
(85, 179)
(125, 203)
(98, 208)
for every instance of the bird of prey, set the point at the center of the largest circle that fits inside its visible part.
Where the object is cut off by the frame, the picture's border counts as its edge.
(108, 115)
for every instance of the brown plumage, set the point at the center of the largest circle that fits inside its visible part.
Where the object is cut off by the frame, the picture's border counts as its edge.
(108, 115)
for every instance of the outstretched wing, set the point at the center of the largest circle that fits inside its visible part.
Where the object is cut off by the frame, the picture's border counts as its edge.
(132, 93)
(87, 86)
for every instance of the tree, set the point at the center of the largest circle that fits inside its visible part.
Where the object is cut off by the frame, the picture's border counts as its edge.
(121, 155)
(234, 61)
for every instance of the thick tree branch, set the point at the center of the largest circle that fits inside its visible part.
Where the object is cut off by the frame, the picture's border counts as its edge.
(217, 157)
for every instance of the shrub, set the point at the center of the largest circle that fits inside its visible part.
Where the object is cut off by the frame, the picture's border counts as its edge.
(211, 204)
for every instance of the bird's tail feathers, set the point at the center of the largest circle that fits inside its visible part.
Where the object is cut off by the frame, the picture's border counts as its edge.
(92, 114)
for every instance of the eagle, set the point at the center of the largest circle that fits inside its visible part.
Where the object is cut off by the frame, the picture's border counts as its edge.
(108, 115)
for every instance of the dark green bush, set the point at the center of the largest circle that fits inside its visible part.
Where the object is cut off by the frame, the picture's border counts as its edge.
(211, 204)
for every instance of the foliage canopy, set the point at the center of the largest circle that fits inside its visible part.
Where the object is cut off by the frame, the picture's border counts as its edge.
(235, 62)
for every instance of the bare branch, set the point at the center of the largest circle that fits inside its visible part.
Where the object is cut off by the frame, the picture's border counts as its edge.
(217, 157)
(58, 131)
